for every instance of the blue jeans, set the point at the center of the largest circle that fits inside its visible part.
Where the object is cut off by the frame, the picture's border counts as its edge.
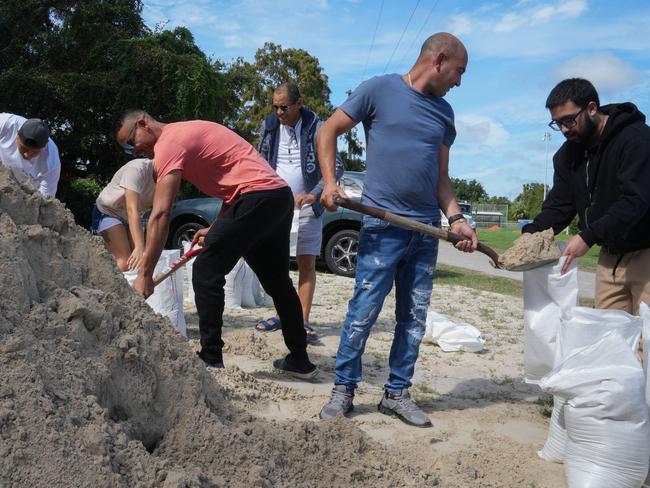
(388, 253)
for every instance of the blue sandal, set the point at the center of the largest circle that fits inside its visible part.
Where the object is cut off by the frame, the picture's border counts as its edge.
(312, 336)
(268, 325)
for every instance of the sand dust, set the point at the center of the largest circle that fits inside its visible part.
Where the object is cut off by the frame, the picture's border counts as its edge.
(97, 390)
(530, 249)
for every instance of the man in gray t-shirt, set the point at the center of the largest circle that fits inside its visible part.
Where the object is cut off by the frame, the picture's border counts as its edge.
(409, 130)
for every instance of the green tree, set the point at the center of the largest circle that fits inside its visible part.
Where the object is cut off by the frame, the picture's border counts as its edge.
(80, 64)
(498, 201)
(529, 202)
(253, 85)
(470, 191)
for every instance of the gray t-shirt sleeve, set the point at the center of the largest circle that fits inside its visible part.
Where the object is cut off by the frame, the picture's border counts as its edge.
(361, 103)
(450, 132)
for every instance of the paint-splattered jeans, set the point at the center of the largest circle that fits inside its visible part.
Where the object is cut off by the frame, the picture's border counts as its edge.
(388, 253)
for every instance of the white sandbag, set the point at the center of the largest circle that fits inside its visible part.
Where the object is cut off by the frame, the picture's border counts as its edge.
(605, 415)
(187, 282)
(167, 297)
(581, 327)
(234, 285)
(547, 293)
(243, 288)
(451, 336)
(644, 311)
(293, 236)
(554, 450)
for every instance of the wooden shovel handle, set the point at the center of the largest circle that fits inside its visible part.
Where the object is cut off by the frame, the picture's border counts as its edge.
(411, 224)
(180, 262)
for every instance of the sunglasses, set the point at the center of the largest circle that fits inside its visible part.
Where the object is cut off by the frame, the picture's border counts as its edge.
(282, 108)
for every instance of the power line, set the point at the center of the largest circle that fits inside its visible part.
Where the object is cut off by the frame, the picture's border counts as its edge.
(381, 9)
(420, 31)
(400, 37)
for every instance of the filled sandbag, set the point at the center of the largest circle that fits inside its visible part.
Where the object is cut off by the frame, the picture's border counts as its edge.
(167, 297)
(605, 415)
(581, 327)
(547, 295)
(243, 289)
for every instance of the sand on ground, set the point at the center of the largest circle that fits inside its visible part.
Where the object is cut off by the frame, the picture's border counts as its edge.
(97, 390)
(488, 423)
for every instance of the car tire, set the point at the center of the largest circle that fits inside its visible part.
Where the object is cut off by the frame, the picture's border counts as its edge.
(185, 232)
(341, 252)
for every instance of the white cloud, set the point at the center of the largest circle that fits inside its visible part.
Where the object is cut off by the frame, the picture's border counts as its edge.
(510, 22)
(604, 70)
(460, 25)
(540, 14)
(477, 132)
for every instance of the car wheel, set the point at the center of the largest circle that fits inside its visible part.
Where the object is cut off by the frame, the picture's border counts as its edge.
(185, 232)
(341, 252)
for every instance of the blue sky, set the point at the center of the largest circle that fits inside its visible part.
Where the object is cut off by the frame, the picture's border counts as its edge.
(518, 50)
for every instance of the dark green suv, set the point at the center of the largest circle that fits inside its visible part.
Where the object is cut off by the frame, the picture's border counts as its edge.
(340, 228)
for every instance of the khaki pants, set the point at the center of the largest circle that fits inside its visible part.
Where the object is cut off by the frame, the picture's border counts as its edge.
(629, 286)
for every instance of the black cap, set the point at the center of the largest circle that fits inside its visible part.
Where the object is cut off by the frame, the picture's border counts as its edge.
(34, 133)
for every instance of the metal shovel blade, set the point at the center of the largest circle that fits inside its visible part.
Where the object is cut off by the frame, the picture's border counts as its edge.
(529, 266)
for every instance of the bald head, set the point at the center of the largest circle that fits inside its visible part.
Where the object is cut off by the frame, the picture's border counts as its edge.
(445, 43)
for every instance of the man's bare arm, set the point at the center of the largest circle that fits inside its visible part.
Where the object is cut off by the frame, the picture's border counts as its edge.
(336, 125)
(157, 228)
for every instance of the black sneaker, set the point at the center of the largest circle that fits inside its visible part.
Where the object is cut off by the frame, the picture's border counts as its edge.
(304, 370)
(211, 362)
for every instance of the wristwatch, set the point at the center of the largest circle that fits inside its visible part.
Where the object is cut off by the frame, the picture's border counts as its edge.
(452, 219)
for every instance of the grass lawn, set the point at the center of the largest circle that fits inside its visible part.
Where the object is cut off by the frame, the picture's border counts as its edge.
(502, 239)
(452, 275)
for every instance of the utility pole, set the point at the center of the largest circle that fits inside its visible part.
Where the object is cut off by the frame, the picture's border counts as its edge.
(546, 138)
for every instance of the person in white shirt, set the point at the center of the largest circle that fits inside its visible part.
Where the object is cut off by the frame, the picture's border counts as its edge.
(26, 148)
(288, 143)
(119, 208)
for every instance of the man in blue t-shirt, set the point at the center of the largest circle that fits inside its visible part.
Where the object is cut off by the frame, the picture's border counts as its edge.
(409, 129)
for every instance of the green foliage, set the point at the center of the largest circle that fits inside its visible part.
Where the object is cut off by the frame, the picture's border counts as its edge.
(253, 85)
(79, 65)
(470, 191)
(83, 193)
(498, 201)
(529, 202)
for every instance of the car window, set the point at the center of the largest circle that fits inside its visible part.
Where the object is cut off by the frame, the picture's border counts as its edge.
(351, 187)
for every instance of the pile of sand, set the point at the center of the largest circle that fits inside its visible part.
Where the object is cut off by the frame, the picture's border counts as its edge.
(530, 250)
(97, 390)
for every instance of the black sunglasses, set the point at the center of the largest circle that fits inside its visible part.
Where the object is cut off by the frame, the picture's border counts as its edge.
(282, 108)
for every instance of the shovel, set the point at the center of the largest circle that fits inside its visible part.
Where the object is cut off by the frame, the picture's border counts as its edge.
(445, 235)
(411, 224)
(180, 262)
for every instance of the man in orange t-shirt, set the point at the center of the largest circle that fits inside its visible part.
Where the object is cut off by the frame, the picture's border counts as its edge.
(254, 223)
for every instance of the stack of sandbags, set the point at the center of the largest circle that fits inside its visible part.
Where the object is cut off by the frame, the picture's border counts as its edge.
(600, 427)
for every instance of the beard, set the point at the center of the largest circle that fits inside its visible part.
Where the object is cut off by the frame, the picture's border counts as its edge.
(588, 131)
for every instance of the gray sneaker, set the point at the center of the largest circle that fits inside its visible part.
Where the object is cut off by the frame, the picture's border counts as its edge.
(340, 402)
(402, 405)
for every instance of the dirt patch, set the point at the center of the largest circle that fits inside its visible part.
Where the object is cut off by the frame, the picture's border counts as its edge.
(530, 250)
(99, 391)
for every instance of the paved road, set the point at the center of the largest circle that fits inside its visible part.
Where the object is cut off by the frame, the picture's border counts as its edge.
(480, 262)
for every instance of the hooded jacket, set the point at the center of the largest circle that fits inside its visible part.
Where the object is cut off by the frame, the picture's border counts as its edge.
(311, 174)
(607, 186)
